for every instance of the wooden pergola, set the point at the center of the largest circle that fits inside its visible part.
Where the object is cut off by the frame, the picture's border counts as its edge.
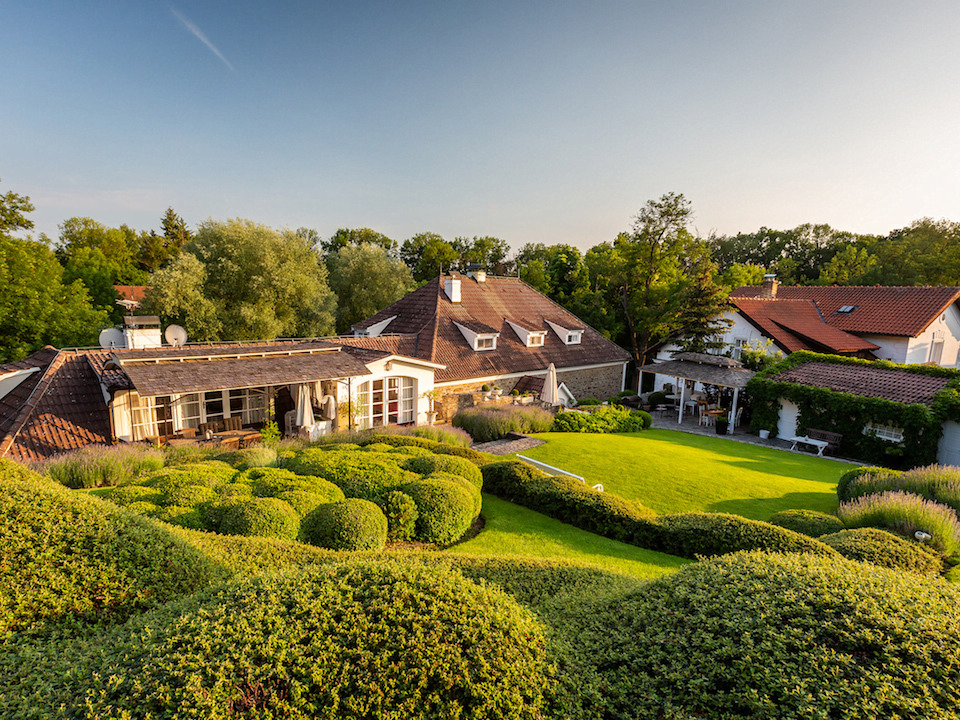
(707, 369)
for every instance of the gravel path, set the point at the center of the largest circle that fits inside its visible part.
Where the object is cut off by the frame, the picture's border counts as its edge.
(510, 444)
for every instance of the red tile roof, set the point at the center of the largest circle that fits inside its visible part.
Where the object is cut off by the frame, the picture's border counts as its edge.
(905, 311)
(428, 314)
(797, 325)
(13, 401)
(65, 411)
(866, 380)
(133, 292)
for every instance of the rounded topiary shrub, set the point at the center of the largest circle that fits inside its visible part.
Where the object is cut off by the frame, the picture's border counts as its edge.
(411, 451)
(351, 524)
(444, 510)
(142, 507)
(266, 517)
(359, 474)
(67, 557)
(879, 547)
(401, 513)
(302, 501)
(189, 495)
(807, 522)
(370, 640)
(210, 473)
(235, 490)
(188, 517)
(472, 489)
(377, 447)
(427, 464)
(755, 635)
(126, 494)
(271, 482)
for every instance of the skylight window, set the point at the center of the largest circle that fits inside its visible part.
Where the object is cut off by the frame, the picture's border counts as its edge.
(847, 309)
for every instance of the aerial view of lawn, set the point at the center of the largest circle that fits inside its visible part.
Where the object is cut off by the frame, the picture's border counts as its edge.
(671, 471)
(514, 530)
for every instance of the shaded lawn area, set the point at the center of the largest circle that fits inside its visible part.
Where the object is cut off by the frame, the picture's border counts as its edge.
(671, 471)
(514, 530)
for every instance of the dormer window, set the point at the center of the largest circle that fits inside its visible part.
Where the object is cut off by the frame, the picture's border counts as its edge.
(485, 342)
(573, 338)
(535, 339)
(569, 336)
(530, 338)
(478, 339)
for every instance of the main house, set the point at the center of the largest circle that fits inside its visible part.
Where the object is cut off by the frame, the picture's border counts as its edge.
(443, 341)
(495, 331)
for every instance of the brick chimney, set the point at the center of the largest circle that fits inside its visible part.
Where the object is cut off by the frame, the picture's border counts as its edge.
(769, 288)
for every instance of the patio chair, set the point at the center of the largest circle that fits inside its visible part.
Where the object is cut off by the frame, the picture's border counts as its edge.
(736, 419)
(706, 418)
(233, 423)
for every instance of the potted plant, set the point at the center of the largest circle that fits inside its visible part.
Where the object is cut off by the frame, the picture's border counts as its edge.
(485, 389)
(497, 392)
(764, 433)
(723, 422)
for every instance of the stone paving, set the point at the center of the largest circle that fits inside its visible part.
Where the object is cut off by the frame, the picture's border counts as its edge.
(510, 444)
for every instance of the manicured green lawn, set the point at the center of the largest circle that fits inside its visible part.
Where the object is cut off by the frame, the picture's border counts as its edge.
(670, 471)
(514, 530)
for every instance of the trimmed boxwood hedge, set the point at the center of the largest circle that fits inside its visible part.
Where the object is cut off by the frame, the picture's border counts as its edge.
(471, 489)
(807, 522)
(268, 517)
(686, 534)
(302, 501)
(235, 490)
(369, 640)
(564, 498)
(126, 494)
(210, 473)
(425, 465)
(879, 547)
(359, 474)
(474, 456)
(351, 524)
(67, 557)
(603, 419)
(780, 636)
(188, 517)
(188, 495)
(271, 482)
(445, 509)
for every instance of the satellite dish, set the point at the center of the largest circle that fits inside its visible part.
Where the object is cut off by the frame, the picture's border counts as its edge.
(112, 338)
(175, 335)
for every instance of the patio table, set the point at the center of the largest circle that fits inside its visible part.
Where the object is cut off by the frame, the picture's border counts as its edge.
(821, 445)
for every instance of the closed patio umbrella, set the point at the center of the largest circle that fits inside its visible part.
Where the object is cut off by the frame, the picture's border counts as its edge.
(550, 394)
(304, 407)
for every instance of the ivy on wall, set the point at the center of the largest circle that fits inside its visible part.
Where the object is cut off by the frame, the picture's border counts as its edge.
(849, 414)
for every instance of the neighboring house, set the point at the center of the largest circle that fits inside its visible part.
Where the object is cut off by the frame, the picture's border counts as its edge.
(907, 325)
(910, 325)
(497, 331)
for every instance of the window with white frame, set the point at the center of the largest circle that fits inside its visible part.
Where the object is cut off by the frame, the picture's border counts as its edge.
(388, 401)
(485, 342)
(889, 433)
(573, 338)
(936, 348)
(151, 416)
(535, 339)
(736, 352)
(250, 404)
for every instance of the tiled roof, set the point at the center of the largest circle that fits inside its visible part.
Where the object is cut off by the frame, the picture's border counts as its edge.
(797, 325)
(225, 350)
(373, 348)
(429, 314)
(905, 311)
(65, 411)
(133, 292)
(13, 401)
(707, 373)
(530, 384)
(197, 375)
(865, 380)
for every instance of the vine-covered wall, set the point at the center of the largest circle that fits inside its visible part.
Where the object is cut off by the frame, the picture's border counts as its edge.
(849, 414)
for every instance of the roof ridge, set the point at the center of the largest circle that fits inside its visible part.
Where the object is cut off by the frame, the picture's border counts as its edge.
(32, 402)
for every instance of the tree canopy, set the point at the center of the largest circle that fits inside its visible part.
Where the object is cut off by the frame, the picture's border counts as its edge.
(239, 280)
(365, 280)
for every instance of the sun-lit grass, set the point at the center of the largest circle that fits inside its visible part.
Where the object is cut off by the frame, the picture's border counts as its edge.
(671, 472)
(514, 530)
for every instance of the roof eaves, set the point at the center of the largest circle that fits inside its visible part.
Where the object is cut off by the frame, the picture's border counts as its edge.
(31, 404)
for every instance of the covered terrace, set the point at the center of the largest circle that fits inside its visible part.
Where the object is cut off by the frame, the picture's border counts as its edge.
(693, 368)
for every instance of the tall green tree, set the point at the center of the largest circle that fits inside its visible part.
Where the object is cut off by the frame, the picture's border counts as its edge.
(426, 254)
(850, 266)
(357, 236)
(491, 253)
(36, 306)
(703, 303)
(260, 284)
(365, 279)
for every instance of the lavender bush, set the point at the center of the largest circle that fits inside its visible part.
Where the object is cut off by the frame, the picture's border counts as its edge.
(938, 483)
(486, 424)
(904, 514)
(102, 465)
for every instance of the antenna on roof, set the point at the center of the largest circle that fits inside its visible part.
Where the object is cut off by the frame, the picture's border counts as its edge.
(128, 305)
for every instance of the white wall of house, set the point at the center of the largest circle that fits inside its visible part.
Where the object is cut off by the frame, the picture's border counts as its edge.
(422, 381)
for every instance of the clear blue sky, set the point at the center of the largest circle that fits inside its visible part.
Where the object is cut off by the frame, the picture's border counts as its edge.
(532, 121)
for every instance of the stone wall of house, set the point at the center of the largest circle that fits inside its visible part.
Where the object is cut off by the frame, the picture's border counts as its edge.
(600, 383)
(457, 397)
